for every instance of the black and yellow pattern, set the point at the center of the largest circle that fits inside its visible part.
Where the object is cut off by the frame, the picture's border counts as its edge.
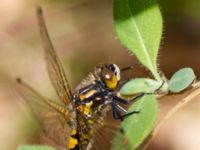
(77, 121)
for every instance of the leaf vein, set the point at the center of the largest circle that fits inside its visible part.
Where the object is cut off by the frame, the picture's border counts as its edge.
(140, 37)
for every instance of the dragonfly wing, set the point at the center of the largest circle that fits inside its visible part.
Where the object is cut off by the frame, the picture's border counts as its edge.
(103, 137)
(104, 131)
(52, 117)
(55, 69)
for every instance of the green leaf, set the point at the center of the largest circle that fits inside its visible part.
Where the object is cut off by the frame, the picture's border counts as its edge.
(181, 80)
(138, 24)
(34, 147)
(138, 126)
(142, 85)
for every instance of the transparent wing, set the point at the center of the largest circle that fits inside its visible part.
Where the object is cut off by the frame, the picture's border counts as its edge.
(103, 136)
(55, 69)
(108, 135)
(51, 116)
(105, 129)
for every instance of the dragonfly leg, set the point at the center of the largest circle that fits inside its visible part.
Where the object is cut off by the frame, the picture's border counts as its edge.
(117, 115)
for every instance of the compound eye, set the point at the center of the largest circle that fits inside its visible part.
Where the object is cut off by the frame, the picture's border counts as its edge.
(107, 74)
(109, 78)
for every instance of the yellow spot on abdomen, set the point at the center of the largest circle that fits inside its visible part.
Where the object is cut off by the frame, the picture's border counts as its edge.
(72, 143)
(85, 109)
(73, 132)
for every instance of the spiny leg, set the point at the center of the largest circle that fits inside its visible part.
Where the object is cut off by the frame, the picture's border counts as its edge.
(116, 115)
(123, 101)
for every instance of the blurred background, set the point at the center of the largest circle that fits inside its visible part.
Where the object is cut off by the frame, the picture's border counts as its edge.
(83, 35)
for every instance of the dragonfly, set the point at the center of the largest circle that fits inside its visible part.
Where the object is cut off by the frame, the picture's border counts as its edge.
(77, 120)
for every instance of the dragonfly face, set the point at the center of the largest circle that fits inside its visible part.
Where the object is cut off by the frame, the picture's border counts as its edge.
(109, 74)
(77, 120)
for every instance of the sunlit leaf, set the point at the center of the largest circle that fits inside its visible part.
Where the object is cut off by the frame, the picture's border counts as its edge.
(142, 85)
(138, 24)
(181, 80)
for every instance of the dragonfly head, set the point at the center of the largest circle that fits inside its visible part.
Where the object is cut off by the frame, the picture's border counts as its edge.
(109, 74)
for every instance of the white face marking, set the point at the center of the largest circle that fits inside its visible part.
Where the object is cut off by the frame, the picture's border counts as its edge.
(117, 72)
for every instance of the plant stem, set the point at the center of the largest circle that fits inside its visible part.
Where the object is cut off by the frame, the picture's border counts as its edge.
(178, 106)
(156, 74)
